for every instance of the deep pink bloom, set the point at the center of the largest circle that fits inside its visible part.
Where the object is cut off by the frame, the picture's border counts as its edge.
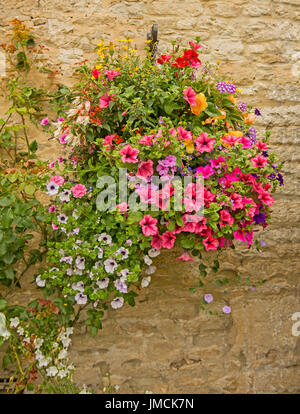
(204, 143)
(186, 257)
(190, 96)
(195, 46)
(184, 135)
(145, 169)
(54, 226)
(148, 224)
(57, 179)
(95, 73)
(104, 101)
(129, 154)
(168, 240)
(45, 121)
(52, 208)
(156, 242)
(226, 217)
(261, 146)
(78, 190)
(216, 162)
(122, 207)
(246, 142)
(259, 161)
(146, 140)
(236, 201)
(206, 171)
(265, 198)
(210, 243)
(240, 235)
(231, 140)
(112, 73)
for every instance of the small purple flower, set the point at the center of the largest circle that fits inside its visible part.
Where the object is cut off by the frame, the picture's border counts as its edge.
(124, 273)
(257, 112)
(117, 303)
(170, 161)
(40, 282)
(105, 238)
(120, 285)
(226, 309)
(242, 106)
(52, 188)
(262, 243)
(226, 87)
(67, 259)
(78, 286)
(208, 298)
(81, 299)
(129, 242)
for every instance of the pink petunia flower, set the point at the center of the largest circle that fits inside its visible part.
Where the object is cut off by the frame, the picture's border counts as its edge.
(122, 207)
(45, 121)
(57, 179)
(78, 190)
(231, 140)
(226, 217)
(95, 73)
(210, 243)
(206, 171)
(190, 96)
(145, 169)
(246, 142)
(146, 140)
(184, 135)
(52, 208)
(156, 242)
(186, 257)
(261, 146)
(148, 224)
(111, 74)
(204, 143)
(129, 154)
(259, 161)
(104, 101)
(168, 240)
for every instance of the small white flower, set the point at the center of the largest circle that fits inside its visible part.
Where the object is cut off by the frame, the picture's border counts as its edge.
(110, 265)
(38, 342)
(40, 282)
(105, 238)
(81, 299)
(146, 281)
(14, 322)
(147, 260)
(62, 373)
(20, 331)
(62, 218)
(51, 371)
(66, 342)
(52, 188)
(65, 195)
(102, 284)
(80, 262)
(69, 331)
(117, 303)
(75, 215)
(63, 354)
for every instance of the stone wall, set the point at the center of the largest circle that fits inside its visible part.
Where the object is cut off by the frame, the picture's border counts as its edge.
(167, 343)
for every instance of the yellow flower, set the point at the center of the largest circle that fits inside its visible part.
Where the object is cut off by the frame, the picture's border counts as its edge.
(147, 41)
(189, 145)
(125, 47)
(99, 67)
(201, 104)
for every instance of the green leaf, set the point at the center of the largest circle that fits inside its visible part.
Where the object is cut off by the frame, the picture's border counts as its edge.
(33, 146)
(29, 189)
(211, 110)
(3, 304)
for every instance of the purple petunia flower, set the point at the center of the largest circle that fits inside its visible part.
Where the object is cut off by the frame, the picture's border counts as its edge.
(208, 298)
(117, 303)
(103, 283)
(110, 265)
(52, 188)
(81, 299)
(257, 112)
(226, 309)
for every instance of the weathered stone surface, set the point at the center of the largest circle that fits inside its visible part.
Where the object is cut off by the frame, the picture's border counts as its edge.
(167, 343)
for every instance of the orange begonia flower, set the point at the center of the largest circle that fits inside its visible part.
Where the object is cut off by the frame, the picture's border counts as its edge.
(201, 104)
(249, 118)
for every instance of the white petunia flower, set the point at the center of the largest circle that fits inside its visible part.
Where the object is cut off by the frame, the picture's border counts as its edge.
(146, 281)
(117, 303)
(40, 282)
(153, 252)
(52, 188)
(51, 371)
(110, 265)
(14, 322)
(102, 284)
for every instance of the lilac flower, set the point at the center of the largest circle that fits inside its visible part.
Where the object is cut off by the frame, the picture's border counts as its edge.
(162, 169)
(52, 188)
(262, 243)
(62, 218)
(242, 106)
(120, 285)
(69, 271)
(81, 299)
(208, 298)
(65, 195)
(123, 252)
(100, 252)
(110, 265)
(80, 262)
(105, 238)
(226, 309)
(97, 264)
(129, 242)
(117, 303)
(226, 87)
(103, 283)
(170, 161)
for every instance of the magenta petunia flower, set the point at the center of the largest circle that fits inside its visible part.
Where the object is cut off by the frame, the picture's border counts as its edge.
(204, 143)
(45, 121)
(168, 239)
(190, 96)
(185, 257)
(129, 154)
(104, 101)
(145, 169)
(148, 224)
